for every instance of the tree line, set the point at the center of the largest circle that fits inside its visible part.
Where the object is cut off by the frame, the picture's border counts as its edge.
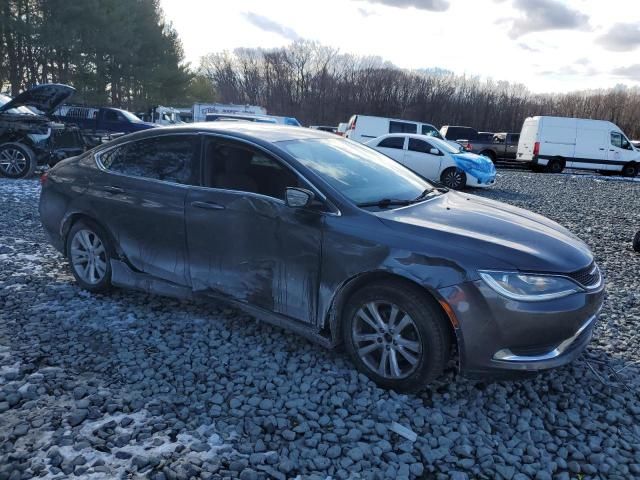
(118, 52)
(319, 85)
(124, 53)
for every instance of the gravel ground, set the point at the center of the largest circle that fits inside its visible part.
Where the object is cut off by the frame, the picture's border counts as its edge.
(137, 386)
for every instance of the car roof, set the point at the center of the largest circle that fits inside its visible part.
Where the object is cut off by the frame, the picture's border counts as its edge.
(267, 132)
(419, 136)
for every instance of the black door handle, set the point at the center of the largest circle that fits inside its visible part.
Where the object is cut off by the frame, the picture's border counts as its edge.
(113, 189)
(207, 205)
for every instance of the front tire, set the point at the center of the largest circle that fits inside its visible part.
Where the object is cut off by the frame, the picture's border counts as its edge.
(396, 336)
(17, 160)
(89, 255)
(453, 178)
(636, 241)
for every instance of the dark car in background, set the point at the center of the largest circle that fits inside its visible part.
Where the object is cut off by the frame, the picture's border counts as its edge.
(331, 239)
(29, 136)
(102, 119)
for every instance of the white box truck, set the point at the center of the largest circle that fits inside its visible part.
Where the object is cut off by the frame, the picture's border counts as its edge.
(555, 143)
(200, 110)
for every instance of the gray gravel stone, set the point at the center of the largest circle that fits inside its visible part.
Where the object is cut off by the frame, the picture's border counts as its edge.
(207, 392)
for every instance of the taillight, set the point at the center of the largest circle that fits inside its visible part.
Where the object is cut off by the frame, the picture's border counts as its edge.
(352, 125)
(468, 147)
(536, 149)
(43, 178)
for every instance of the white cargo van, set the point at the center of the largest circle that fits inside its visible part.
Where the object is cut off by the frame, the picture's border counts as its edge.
(363, 128)
(553, 143)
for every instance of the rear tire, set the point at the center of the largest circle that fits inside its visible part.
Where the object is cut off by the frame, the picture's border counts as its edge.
(555, 165)
(395, 335)
(636, 241)
(630, 170)
(453, 178)
(17, 160)
(89, 253)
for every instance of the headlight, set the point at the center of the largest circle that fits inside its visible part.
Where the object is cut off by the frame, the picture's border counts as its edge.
(528, 287)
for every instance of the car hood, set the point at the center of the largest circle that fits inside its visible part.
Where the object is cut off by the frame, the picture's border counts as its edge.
(46, 97)
(494, 233)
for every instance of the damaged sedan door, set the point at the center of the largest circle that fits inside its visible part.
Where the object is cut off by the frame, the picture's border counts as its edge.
(244, 243)
(139, 196)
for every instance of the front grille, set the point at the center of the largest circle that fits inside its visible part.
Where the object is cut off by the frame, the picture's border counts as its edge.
(587, 277)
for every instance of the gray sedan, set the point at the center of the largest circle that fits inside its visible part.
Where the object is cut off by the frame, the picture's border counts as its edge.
(331, 240)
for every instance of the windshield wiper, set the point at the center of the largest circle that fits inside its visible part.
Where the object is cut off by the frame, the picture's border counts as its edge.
(391, 202)
(423, 195)
(385, 202)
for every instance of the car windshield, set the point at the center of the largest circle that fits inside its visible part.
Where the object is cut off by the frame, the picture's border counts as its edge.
(360, 173)
(130, 116)
(448, 147)
(4, 99)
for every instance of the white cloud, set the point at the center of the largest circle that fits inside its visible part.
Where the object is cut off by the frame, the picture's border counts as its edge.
(621, 37)
(269, 25)
(463, 39)
(432, 5)
(543, 15)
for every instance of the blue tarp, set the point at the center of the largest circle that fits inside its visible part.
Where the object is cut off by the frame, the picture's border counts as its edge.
(478, 166)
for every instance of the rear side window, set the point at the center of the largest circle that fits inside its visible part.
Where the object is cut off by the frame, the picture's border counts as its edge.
(392, 142)
(616, 139)
(420, 146)
(402, 127)
(514, 138)
(170, 158)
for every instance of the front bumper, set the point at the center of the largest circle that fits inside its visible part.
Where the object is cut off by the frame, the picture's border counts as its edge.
(474, 182)
(496, 334)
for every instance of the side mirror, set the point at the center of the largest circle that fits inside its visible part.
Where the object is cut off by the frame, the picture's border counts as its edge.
(434, 151)
(298, 197)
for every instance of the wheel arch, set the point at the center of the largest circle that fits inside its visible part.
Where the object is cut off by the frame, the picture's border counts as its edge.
(333, 319)
(489, 153)
(71, 218)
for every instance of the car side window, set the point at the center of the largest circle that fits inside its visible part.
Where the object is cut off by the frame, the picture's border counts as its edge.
(626, 144)
(402, 127)
(111, 116)
(616, 139)
(237, 166)
(392, 142)
(170, 158)
(421, 146)
(430, 131)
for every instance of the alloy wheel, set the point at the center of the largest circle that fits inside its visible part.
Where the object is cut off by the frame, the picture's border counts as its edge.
(88, 256)
(453, 179)
(12, 162)
(386, 340)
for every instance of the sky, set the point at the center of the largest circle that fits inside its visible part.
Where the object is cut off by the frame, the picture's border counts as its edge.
(547, 45)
